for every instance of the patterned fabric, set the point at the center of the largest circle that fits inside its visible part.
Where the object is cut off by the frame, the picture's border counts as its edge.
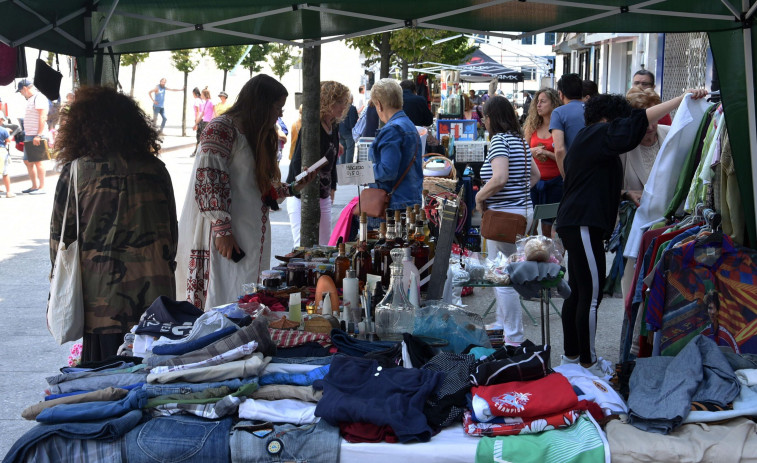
(215, 411)
(223, 199)
(293, 338)
(228, 356)
(447, 404)
(519, 426)
(128, 237)
(681, 281)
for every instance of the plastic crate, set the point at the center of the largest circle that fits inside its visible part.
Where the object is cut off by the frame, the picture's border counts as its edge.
(470, 151)
(363, 148)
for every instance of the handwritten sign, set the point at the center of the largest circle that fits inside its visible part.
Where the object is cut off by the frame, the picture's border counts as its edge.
(357, 173)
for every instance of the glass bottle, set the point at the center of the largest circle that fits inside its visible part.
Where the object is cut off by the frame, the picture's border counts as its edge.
(376, 251)
(361, 261)
(341, 265)
(385, 267)
(394, 315)
(420, 250)
(398, 236)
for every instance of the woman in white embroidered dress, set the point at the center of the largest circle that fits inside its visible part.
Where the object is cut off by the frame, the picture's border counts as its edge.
(236, 182)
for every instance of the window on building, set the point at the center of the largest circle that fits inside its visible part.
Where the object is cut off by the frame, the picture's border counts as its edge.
(549, 38)
(480, 38)
(529, 73)
(527, 40)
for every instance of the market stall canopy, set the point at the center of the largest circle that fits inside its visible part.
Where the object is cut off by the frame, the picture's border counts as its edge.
(76, 27)
(480, 67)
(85, 27)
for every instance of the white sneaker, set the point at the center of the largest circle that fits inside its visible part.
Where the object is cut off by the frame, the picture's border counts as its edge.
(602, 369)
(568, 361)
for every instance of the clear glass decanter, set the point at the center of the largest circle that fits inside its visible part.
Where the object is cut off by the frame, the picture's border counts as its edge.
(395, 315)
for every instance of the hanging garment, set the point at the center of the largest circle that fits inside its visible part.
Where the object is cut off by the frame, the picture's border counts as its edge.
(687, 274)
(660, 185)
(710, 150)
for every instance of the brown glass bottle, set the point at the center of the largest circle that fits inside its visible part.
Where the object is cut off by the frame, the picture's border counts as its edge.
(361, 261)
(420, 250)
(341, 265)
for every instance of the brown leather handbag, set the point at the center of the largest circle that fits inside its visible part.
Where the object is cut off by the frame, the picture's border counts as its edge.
(504, 226)
(374, 201)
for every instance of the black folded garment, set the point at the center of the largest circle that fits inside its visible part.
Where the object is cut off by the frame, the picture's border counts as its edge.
(526, 362)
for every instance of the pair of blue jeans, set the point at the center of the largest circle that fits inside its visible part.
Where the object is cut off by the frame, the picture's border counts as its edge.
(155, 390)
(159, 110)
(63, 413)
(109, 429)
(179, 438)
(196, 344)
(311, 443)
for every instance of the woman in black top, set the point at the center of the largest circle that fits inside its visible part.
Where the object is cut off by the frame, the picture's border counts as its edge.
(335, 101)
(593, 180)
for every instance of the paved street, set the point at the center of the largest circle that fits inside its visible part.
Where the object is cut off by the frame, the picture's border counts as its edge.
(29, 353)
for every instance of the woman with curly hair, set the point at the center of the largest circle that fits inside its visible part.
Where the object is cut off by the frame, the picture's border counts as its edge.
(225, 237)
(588, 210)
(127, 214)
(335, 102)
(548, 190)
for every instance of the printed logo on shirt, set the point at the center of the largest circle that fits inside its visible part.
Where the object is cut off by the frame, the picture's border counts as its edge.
(497, 452)
(600, 386)
(512, 402)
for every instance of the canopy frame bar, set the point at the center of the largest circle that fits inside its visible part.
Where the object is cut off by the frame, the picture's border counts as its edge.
(105, 23)
(467, 9)
(211, 26)
(48, 26)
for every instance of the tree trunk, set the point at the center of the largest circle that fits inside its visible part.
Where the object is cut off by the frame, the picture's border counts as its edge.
(310, 134)
(224, 80)
(493, 87)
(386, 54)
(133, 76)
(405, 70)
(184, 108)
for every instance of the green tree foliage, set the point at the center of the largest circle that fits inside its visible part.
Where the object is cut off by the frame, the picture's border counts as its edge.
(185, 61)
(256, 57)
(226, 58)
(132, 59)
(283, 57)
(410, 47)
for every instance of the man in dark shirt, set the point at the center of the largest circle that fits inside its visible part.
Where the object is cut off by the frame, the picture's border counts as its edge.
(345, 135)
(415, 107)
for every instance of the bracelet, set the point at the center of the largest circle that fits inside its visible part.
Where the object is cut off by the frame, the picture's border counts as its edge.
(290, 189)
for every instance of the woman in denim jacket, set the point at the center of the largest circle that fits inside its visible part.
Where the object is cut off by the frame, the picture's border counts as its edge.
(394, 147)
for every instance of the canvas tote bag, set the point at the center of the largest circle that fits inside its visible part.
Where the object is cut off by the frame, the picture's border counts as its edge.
(65, 307)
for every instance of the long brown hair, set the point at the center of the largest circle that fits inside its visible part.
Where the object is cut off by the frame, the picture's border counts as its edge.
(534, 120)
(251, 114)
(102, 122)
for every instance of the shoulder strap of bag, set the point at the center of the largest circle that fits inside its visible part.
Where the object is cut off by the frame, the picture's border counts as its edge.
(396, 185)
(72, 181)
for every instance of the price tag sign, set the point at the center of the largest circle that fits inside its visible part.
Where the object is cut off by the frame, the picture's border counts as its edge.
(357, 173)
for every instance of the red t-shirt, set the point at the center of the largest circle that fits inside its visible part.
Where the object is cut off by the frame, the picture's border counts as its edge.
(548, 169)
(665, 120)
(529, 399)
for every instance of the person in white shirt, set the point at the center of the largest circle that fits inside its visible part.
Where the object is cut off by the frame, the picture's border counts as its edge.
(35, 128)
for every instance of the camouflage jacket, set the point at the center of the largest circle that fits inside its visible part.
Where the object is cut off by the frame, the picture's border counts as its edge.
(127, 237)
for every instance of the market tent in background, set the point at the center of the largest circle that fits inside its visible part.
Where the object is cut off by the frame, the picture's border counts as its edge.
(87, 28)
(480, 67)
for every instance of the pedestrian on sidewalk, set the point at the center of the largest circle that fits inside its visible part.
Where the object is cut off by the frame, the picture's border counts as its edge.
(5, 156)
(158, 97)
(35, 128)
(127, 223)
